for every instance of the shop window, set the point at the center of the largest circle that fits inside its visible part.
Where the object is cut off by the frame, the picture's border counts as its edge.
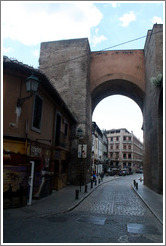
(56, 166)
(37, 113)
(64, 166)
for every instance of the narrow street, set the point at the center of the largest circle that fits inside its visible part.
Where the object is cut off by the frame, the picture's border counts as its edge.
(113, 213)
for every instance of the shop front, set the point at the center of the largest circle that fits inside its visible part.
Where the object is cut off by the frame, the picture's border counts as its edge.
(41, 155)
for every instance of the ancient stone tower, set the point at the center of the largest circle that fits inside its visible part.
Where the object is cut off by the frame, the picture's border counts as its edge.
(67, 65)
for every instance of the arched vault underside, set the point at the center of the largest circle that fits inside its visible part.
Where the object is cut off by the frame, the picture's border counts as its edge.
(117, 87)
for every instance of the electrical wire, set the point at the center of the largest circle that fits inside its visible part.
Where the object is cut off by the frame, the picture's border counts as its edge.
(78, 57)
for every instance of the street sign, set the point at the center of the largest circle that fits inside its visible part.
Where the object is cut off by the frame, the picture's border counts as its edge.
(82, 150)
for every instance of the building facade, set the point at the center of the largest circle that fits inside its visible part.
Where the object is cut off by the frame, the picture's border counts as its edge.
(36, 128)
(99, 149)
(125, 150)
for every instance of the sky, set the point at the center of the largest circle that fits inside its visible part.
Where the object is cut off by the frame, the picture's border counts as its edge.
(25, 24)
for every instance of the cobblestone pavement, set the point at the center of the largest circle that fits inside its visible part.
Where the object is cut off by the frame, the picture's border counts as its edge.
(113, 213)
(125, 216)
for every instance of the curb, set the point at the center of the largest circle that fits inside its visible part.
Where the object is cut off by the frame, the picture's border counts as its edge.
(147, 205)
(81, 200)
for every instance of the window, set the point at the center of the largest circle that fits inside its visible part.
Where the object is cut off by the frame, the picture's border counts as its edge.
(66, 129)
(111, 139)
(124, 146)
(111, 146)
(129, 138)
(117, 146)
(129, 147)
(37, 113)
(58, 129)
(116, 155)
(124, 138)
(129, 156)
(124, 156)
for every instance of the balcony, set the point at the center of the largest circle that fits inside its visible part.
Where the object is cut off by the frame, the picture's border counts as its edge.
(127, 150)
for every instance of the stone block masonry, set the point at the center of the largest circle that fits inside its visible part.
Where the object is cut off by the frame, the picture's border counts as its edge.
(153, 116)
(67, 63)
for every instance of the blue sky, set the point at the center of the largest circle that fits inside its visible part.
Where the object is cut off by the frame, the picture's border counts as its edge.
(24, 25)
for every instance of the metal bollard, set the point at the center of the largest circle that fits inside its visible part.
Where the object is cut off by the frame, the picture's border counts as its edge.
(86, 187)
(136, 185)
(134, 182)
(99, 181)
(91, 184)
(77, 194)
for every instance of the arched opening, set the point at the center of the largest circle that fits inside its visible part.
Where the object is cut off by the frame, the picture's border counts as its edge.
(119, 111)
(115, 87)
(117, 107)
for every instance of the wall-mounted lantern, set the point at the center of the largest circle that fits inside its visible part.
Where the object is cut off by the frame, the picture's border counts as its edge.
(79, 133)
(32, 83)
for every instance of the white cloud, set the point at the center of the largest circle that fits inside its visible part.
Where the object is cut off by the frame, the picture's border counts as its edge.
(36, 53)
(7, 50)
(115, 4)
(97, 39)
(157, 20)
(32, 23)
(127, 18)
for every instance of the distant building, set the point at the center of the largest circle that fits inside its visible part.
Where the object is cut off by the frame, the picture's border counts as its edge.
(99, 148)
(125, 150)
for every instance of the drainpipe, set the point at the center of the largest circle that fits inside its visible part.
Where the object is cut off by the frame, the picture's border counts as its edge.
(31, 182)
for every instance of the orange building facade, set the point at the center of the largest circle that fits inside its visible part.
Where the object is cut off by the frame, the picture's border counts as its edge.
(38, 129)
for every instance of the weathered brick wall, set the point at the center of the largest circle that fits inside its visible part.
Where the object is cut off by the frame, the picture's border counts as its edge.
(66, 64)
(152, 110)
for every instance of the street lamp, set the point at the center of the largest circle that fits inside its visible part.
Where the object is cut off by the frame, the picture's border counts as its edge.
(79, 133)
(32, 83)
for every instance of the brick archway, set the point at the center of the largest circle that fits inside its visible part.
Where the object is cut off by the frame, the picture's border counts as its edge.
(117, 86)
(117, 72)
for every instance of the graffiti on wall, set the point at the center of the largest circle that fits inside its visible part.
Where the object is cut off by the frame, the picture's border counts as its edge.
(15, 188)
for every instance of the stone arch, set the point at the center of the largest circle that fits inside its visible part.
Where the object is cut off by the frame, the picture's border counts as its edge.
(122, 86)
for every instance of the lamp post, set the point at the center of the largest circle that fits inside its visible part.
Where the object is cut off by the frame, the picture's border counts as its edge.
(32, 83)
